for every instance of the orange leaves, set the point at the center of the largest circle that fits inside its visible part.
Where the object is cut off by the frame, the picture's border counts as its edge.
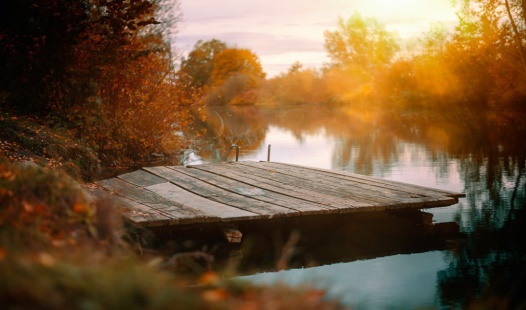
(209, 278)
(215, 295)
(233, 61)
(138, 103)
(44, 207)
(249, 297)
(213, 291)
(7, 175)
(28, 208)
(80, 208)
(95, 38)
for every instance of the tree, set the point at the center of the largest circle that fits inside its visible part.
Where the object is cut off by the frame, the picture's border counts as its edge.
(517, 34)
(36, 38)
(295, 67)
(435, 41)
(360, 41)
(300, 86)
(234, 77)
(137, 101)
(196, 68)
(53, 51)
(102, 68)
(507, 16)
(235, 61)
(488, 46)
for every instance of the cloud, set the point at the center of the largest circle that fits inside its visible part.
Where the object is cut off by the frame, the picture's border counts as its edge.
(275, 51)
(281, 32)
(263, 43)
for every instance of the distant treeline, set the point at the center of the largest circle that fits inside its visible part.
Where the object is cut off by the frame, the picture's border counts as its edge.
(478, 66)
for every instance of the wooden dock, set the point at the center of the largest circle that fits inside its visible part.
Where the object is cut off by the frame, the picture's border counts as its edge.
(226, 193)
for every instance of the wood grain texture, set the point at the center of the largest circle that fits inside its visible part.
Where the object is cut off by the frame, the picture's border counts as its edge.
(141, 178)
(266, 180)
(386, 192)
(246, 191)
(177, 212)
(135, 213)
(378, 181)
(178, 175)
(212, 209)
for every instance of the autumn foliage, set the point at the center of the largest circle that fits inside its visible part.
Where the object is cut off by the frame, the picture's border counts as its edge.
(477, 68)
(42, 209)
(103, 69)
(222, 74)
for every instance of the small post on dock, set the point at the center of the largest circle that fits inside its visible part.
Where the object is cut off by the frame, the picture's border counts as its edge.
(237, 150)
(268, 153)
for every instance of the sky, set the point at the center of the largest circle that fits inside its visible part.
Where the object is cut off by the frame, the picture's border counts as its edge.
(281, 32)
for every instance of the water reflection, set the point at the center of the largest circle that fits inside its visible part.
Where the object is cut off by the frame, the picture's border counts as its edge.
(374, 283)
(485, 158)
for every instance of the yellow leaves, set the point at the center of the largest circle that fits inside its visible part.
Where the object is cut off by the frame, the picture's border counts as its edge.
(233, 61)
(361, 40)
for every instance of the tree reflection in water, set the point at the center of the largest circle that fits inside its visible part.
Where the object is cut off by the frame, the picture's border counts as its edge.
(489, 154)
(489, 268)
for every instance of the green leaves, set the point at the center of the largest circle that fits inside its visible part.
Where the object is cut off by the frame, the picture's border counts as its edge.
(360, 41)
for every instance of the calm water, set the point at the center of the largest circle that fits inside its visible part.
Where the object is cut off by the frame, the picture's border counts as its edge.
(484, 159)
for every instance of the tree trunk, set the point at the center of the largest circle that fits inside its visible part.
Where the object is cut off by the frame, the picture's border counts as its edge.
(516, 32)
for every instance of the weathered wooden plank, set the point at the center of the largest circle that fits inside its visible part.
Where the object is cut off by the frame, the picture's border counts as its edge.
(256, 192)
(141, 178)
(379, 187)
(378, 190)
(177, 212)
(412, 188)
(250, 177)
(337, 189)
(206, 190)
(133, 212)
(140, 215)
(213, 209)
(242, 191)
(390, 195)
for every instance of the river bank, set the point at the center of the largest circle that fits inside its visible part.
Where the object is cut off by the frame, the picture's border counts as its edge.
(60, 249)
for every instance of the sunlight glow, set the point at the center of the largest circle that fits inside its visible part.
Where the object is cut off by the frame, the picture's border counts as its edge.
(282, 32)
(409, 18)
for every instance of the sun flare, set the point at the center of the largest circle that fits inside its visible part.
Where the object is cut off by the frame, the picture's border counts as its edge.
(408, 18)
(413, 10)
